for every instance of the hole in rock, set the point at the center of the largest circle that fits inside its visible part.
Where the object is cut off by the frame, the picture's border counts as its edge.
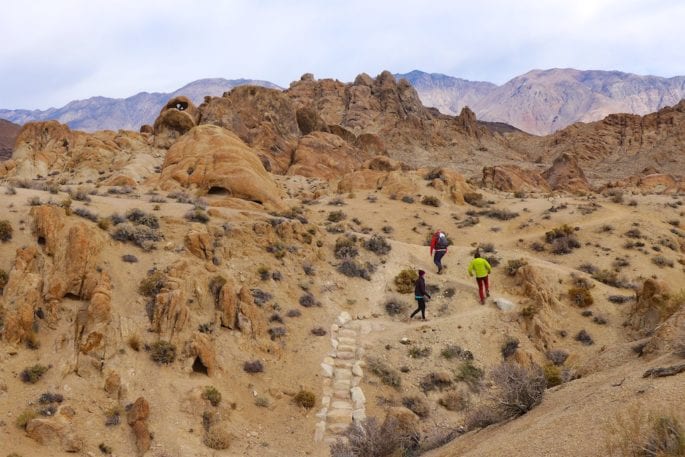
(218, 191)
(199, 367)
(41, 240)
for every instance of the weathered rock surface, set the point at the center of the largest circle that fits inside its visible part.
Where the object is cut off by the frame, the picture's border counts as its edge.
(512, 178)
(566, 175)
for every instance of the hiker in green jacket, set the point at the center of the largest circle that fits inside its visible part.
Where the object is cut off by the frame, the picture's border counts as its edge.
(482, 269)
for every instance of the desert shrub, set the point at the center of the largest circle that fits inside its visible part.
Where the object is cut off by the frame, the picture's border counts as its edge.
(278, 249)
(378, 245)
(417, 352)
(86, 214)
(584, 337)
(562, 239)
(308, 269)
(394, 306)
(212, 395)
(277, 332)
(451, 351)
(552, 375)
(599, 320)
(32, 375)
(482, 416)
(620, 299)
(469, 374)
(474, 199)
(454, 401)
(140, 235)
(408, 199)
(435, 380)
(6, 230)
(430, 200)
(661, 261)
(519, 388)
(514, 265)
(580, 297)
(405, 280)
(307, 300)
(354, 269)
(260, 297)
(152, 284)
(217, 438)
(537, 246)
(253, 366)
(140, 217)
(318, 331)
(336, 216)
(369, 439)
(10, 190)
(345, 247)
(293, 313)
(499, 214)
(610, 278)
(557, 356)
(305, 399)
(509, 347)
(4, 277)
(25, 417)
(163, 352)
(197, 214)
(34, 201)
(634, 233)
(388, 375)
(638, 433)
(416, 404)
(50, 397)
(129, 258)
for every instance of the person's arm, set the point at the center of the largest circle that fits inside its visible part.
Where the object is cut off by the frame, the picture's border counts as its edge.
(470, 270)
(487, 266)
(423, 288)
(434, 240)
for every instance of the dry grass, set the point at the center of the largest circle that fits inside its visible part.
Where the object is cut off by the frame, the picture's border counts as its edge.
(305, 399)
(638, 433)
(217, 438)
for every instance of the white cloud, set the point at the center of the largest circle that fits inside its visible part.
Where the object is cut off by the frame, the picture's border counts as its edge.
(59, 51)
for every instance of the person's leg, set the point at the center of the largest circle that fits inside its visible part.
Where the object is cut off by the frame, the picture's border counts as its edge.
(419, 301)
(423, 309)
(481, 292)
(487, 286)
(437, 259)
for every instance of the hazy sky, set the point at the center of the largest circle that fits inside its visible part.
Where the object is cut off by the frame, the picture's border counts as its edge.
(56, 51)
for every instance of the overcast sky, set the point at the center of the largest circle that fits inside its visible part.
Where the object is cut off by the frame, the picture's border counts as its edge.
(53, 52)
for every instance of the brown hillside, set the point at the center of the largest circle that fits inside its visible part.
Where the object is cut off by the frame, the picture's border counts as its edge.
(8, 134)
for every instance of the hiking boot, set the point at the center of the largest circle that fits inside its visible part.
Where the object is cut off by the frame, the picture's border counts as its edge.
(482, 302)
(487, 293)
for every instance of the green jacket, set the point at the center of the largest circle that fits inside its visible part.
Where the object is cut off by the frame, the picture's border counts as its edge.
(480, 266)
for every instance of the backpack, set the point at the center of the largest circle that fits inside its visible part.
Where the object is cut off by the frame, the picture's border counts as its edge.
(441, 242)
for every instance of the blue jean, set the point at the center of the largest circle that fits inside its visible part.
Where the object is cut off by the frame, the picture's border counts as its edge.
(437, 258)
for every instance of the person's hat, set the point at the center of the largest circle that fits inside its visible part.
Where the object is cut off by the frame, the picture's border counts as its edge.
(421, 272)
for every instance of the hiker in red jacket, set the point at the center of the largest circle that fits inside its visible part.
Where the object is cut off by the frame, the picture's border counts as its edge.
(438, 248)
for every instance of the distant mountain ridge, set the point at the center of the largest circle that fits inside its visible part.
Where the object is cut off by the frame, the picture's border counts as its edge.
(102, 113)
(543, 101)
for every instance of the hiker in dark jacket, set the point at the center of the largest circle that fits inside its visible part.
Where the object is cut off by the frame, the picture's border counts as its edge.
(420, 294)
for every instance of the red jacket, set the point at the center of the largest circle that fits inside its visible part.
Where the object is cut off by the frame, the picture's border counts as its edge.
(434, 242)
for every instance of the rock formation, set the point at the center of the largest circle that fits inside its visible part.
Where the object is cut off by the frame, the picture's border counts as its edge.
(566, 174)
(177, 117)
(512, 178)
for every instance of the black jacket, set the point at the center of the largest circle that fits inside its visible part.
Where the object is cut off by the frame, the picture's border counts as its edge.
(420, 288)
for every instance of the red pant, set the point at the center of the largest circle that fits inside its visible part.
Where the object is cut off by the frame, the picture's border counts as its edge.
(483, 287)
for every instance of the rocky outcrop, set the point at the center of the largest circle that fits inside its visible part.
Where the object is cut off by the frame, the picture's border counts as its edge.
(176, 118)
(565, 174)
(212, 160)
(653, 305)
(8, 135)
(263, 118)
(324, 155)
(512, 178)
(45, 148)
(57, 431)
(137, 416)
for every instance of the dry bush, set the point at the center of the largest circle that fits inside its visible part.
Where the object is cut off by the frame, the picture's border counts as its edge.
(25, 417)
(4, 277)
(514, 265)
(152, 284)
(416, 404)
(405, 280)
(197, 214)
(307, 300)
(418, 352)
(353, 269)
(584, 337)
(435, 380)
(499, 214)
(140, 217)
(346, 247)
(580, 297)
(32, 375)
(253, 366)
(470, 374)
(519, 389)
(638, 433)
(553, 375)
(452, 351)
(86, 214)
(129, 258)
(454, 401)
(394, 306)
(634, 233)
(562, 239)
(305, 399)
(336, 216)
(211, 394)
(474, 199)
(557, 356)
(140, 235)
(277, 332)
(5, 230)
(388, 375)
(318, 331)
(430, 200)
(217, 438)
(369, 439)
(378, 245)
(610, 278)
(661, 261)
(163, 352)
(509, 347)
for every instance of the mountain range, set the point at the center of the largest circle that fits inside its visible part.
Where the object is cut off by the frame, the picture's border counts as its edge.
(103, 113)
(538, 102)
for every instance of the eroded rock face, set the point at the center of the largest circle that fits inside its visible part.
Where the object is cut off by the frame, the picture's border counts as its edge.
(263, 118)
(566, 174)
(652, 306)
(136, 417)
(511, 178)
(55, 431)
(324, 155)
(175, 119)
(43, 148)
(213, 160)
